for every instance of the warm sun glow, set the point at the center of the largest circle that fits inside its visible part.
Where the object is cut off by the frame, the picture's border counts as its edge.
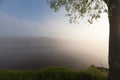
(90, 39)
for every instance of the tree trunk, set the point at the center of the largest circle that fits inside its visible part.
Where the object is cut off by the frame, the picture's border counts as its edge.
(114, 40)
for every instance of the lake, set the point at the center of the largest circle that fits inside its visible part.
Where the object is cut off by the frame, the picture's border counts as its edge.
(35, 53)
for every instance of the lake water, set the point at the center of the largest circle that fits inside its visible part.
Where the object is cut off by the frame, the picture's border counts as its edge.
(35, 53)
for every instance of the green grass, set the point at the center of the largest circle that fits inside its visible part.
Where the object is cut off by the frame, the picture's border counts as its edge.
(54, 73)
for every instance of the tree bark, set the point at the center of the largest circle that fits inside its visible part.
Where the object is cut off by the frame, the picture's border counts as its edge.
(114, 40)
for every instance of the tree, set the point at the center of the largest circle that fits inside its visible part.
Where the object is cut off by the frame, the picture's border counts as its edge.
(93, 8)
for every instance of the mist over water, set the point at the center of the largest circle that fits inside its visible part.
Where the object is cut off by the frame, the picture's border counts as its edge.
(39, 52)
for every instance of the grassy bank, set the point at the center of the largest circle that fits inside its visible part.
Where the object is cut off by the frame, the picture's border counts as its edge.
(54, 73)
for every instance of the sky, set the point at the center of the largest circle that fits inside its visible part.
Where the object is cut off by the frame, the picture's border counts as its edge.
(31, 18)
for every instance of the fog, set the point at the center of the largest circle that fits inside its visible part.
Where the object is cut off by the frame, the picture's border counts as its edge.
(39, 52)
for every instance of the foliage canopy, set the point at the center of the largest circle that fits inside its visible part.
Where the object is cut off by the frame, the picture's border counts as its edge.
(75, 9)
